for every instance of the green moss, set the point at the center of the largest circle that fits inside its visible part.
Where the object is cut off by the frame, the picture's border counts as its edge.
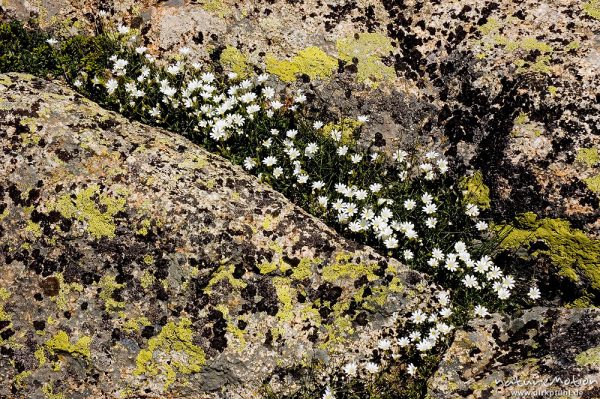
(368, 49)
(588, 156)
(311, 61)
(590, 357)
(592, 8)
(570, 249)
(475, 191)
(174, 341)
(93, 207)
(61, 343)
(593, 183)
(343, 268)
(233, 60)
(108, 286)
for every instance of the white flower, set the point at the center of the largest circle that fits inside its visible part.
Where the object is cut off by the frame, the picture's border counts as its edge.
(302, 178)
(494, 273)
(270, 161)
(300, 98)
(470, 281)
(425, 345)
(451, 264)
(391, 242)
(443, 298)
(481, 311)
(408, 254)
(426, 198)
(318, 185)
(445, 312)
(350, 369)
(409, 205)
(336, 135)
(185, 50)
(311, 149)
(386, 213)
(503, 293)
(111, 86)
(328, 394)
(361, 194)
(415, 336)
(472, 210)
(292, 153)
(277, 172)
(323, 201)
(374, 156)
(276, 105)
(429, 208)
(481, 225)
(52, 41)
(443, 328)
(356, 158)
(411, 369)
(343, 150)
(268, 92)
(263, 77)
(122, 29)
(207, 77)
(249, 163)
(317, 125)
(534, 293)
(371, 367)
(399, 155)
(252, 109)
(384, 344)
(418, 317)
(291, 133)
(375, 187)
(431, 222)
(362, 118)
(437, 254)
(442, 165)
(140, 49)
(403, 342)
(508, 282)
(77, 83)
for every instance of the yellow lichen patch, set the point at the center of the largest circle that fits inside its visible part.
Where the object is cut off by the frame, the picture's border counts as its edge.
(61, 343)
(592, 8)
(284, 294)
(490, 26)
(194, 162)
(147, 279)
(346, 127)
(172, 351)
(590, 357)
(64, 290)
(588, 156)
(593, 183)
(19, 378)
(368, 49)
(134, 324)
(94, 208)
(304, 269)
(344, 268)
(235, 61)
(475, 191)
(108, 286)
(48, 390)
(531, 43)
(570, 249)
(225, 272)
(217, 7)
(311, 61)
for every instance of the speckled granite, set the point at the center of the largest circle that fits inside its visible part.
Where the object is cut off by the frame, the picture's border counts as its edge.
(552, 350)
(134, 262)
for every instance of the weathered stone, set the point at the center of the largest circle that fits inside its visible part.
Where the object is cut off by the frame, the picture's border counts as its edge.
(553, 350)
(135, 262)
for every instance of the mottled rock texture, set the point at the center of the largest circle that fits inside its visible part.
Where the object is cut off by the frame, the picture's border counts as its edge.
(553, 350)
(135, 263)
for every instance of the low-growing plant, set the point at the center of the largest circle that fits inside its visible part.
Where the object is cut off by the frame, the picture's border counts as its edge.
(408, 205)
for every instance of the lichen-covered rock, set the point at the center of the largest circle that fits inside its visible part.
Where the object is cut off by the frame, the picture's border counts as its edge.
(552, 350)
(134, 263)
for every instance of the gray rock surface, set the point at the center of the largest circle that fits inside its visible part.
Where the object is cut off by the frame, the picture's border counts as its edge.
(135, 263)
(551, 350)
